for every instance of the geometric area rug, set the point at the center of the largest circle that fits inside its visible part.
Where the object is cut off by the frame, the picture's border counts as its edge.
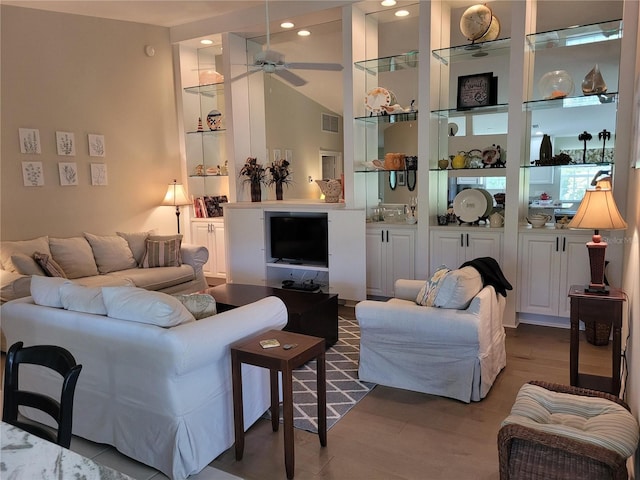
(344, 389)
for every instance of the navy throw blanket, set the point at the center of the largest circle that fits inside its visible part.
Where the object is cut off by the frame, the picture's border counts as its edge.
(491, 273)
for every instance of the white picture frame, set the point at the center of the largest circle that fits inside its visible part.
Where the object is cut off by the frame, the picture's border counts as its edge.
(68, 173)
(96, 145)
(277, 154)
(29, 141)
(66, 143)
(288, 155)
(99, 174)
(32, 174)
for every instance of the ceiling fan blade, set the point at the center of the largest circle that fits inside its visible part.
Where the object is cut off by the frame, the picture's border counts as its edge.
(334, 67)
(245, 74)
(291, 77)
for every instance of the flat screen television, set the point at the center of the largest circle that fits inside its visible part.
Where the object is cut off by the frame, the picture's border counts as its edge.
(300, 239)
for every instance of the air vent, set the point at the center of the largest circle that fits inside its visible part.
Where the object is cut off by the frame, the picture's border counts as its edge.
(329, 123)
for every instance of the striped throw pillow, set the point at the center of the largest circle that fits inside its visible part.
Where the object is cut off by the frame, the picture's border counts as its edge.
(162, 253)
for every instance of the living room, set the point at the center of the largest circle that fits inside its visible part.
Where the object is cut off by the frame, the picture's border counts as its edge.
(90, 75)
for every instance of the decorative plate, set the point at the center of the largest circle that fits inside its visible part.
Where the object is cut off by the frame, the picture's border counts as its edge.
(377, 98)
(470, 205)
(489, 198)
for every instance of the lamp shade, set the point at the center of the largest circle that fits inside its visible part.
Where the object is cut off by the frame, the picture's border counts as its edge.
(598, 211)
(175, 195)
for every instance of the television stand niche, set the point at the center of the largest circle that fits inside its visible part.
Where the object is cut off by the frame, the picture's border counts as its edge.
(296, 276)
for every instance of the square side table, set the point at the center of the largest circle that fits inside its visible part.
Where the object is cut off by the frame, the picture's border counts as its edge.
(278, 359)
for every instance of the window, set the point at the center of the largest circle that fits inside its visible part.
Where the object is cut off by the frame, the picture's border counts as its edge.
(575, 180)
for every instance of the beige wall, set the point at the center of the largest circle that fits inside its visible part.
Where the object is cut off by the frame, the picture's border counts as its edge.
(86, 75)
(294, 124)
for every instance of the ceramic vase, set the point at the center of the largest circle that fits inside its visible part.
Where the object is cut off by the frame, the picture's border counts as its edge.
(256, 192)
(546, 150)
(278, 190)
(593, 82)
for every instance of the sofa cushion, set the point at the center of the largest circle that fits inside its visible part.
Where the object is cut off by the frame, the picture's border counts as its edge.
(45, 291)
(458, 288)
(140, 305)
(82, 299)
(74, 255)
(427, 294)
(200, 305)
(26, 247)
(111, 253)
(26, 265)
(137, 243)
(48, 265)
(162, 251)
(156, 278)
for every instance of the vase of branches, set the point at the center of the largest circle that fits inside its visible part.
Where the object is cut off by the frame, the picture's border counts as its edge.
(280, 176)
(254, 174)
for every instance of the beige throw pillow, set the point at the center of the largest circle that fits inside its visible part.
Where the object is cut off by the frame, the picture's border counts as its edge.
(74, 255)
(26, 247)
(112, 253)
(45, 291)
(137, 243)
(26, 265)
(458, 288)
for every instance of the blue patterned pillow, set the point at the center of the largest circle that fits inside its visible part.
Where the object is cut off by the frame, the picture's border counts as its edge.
(427, 294)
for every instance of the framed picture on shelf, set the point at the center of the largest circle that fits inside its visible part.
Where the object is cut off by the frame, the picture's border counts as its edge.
(478, 90)
(402, 179)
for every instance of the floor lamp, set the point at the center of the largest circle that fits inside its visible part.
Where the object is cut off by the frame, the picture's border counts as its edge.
(598, 211)
(176, 197)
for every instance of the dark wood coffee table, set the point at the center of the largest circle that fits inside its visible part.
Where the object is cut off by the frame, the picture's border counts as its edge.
(314, 314)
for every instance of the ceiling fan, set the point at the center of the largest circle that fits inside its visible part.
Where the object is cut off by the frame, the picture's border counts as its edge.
(270, 61)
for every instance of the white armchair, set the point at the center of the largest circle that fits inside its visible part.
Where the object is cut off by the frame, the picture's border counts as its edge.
(440, 351)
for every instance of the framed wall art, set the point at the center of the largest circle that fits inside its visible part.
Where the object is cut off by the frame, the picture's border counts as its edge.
(479, 90)
(98, 174)
(66, 143)
(68, 173)
(32, 174)
(29, 140)
(96, 145)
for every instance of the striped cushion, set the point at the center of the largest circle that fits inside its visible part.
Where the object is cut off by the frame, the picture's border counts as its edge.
(162, 253)
(593, 420)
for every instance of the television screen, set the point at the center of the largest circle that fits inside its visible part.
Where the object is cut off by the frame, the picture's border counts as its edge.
(299, 239)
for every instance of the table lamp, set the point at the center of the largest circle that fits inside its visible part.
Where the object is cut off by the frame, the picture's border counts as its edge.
(175, 197)
(598, 211)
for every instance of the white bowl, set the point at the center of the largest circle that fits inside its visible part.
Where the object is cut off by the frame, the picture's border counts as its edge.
(537, 222)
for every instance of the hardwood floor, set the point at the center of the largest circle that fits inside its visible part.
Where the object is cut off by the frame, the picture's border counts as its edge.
(395, 434)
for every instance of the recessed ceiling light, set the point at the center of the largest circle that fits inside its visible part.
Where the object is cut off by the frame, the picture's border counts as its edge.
(287, 25)
(388, 3)
(401, 13)
(304, 33)
(206, 41)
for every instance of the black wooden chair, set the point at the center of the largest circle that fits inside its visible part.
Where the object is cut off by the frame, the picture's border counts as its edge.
(55, 358)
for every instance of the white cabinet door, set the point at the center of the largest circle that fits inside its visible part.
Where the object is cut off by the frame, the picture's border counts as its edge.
(218, 251)
(244, 230)
(200, 235)
(375, 261)
(539, 281)
(400, 257)
(549, 265)
(453, 248)
(390, 256)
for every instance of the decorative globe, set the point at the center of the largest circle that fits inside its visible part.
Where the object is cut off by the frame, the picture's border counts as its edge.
(556, 84)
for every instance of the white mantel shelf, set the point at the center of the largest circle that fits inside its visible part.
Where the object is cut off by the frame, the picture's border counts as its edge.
(287, 204)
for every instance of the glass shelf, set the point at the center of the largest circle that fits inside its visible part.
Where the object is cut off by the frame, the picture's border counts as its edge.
(207, 175)
(361, 169)
(472, 172)
(453, 112)
(572, 165)
(473, 51)
(572, 102)
(389, 64)
(578, 35)
(393, 118)
(209, 90)
(207, 132)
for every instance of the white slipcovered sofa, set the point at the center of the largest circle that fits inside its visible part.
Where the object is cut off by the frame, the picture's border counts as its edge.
(95, 260)
(160, 395)
(451, 352)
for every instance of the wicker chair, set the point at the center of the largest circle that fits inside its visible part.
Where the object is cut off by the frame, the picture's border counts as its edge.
(529, 454)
